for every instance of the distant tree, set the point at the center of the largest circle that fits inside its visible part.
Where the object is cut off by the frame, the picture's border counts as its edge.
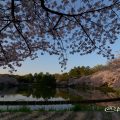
(80, 71)
(56, 27)
(85, 70)
(38, 77)
(29, 78)
(98, 68)
(48, 80)
(22, 79)
(35, 77)
(45, 79)
(64, 76)
(57, 76)
(75, 72)
(25, 79)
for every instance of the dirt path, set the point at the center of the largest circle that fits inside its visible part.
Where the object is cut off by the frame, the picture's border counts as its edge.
(60, 116)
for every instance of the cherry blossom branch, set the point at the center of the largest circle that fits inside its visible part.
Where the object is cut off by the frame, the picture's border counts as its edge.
(4, 53)
(5, 26)
(23, 38)
(93, 42)
(12, 9)
(58, 21)
(79, 14)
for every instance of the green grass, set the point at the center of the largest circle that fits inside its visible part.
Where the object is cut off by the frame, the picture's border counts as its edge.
(77, 107)
(21, 109)
(89, 107)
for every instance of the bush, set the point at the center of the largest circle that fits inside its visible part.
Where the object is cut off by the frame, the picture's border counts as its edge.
(87, 107)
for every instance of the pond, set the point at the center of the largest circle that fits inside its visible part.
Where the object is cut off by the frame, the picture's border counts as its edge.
(37, 93)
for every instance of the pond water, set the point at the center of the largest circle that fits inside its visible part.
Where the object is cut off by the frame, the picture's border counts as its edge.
(37, 93)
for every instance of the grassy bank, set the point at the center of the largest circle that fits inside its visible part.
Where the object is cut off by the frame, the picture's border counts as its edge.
(88, 107)
(21, 109)
(77, 107)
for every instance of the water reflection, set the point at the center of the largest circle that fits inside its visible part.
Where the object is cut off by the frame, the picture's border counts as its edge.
(38, 107)
(36, 92)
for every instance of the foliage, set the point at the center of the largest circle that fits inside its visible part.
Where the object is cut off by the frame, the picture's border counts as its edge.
(45, 79)
(40, 83)
(21, 109)
(74, 72)
(38, 77)
(76, 107)
(48, 79)
(88, 107)
(25, 79)
(56, 27)
(99, 68)
(80, 71)
(105, 88)
(64, 76)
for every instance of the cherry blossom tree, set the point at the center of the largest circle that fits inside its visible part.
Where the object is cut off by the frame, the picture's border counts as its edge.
(56, 27)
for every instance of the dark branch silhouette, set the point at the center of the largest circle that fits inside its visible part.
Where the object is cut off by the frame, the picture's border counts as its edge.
(79, 14)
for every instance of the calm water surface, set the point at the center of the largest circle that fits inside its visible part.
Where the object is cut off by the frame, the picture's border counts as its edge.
(37, 93)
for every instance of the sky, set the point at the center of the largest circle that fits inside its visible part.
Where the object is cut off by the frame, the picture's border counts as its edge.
(46, 63)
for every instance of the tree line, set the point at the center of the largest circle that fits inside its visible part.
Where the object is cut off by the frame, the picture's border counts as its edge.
(48, 79)
(45, 80)
(78, 72)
